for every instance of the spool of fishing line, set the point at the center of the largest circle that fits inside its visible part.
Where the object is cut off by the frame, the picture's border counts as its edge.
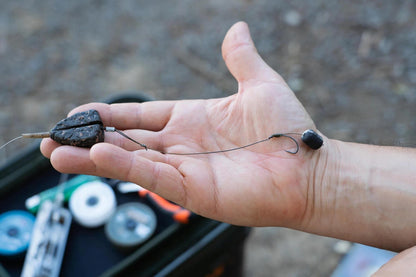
(92, 204)
(131, 225)
(15, 232)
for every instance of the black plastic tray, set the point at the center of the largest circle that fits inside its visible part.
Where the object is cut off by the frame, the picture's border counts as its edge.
(201, 247)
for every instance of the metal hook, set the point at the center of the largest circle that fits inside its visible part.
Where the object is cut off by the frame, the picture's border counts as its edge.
(290, 137)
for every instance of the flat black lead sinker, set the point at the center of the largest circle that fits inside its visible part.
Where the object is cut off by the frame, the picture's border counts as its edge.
(83, 129)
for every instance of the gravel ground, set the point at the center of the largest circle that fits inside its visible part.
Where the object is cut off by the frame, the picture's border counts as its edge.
(352, 64)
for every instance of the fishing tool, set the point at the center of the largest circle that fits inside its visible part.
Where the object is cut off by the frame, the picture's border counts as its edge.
(50, 234)
(178, 213)
(92, 204)
(33, 203)
(84, 129)
(132, 224)
(15, 232)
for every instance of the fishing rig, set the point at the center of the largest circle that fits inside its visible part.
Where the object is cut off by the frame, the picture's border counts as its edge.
(84, 129)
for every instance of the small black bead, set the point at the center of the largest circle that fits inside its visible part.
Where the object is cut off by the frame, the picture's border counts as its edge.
(312, 139)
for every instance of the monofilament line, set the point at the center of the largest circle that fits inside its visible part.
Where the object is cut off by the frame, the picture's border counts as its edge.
(241, 147)
(218, 151)
(10, 141)
(112, 129)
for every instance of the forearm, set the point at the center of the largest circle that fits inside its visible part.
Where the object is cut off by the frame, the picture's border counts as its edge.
(366, 194)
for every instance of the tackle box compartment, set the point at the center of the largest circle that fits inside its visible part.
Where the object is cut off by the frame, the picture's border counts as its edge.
(203, 247)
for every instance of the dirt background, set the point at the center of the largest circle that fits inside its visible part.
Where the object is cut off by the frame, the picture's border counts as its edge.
(351, 63)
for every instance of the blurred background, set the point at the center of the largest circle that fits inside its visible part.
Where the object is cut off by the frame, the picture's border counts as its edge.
(351, 63)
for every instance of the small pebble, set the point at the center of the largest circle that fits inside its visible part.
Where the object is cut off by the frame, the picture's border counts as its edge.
(293, 18)
(296, 84)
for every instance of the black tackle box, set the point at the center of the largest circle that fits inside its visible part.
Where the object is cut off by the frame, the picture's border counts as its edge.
(202, 247)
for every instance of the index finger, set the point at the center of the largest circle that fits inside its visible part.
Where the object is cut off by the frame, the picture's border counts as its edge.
(152, 115)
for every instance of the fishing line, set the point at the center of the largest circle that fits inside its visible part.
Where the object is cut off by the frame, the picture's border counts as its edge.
(241, 147)
(309, 137)
(10, 141)
(16, 228)
(132, 224)
(92, 204)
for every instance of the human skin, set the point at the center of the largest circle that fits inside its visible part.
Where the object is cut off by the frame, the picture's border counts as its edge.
(350, 191)
(403, 264)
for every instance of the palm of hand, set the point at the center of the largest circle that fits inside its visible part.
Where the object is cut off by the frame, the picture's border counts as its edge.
(262, 185)
(214, 184)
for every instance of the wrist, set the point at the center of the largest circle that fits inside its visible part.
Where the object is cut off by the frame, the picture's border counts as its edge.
(323, 169)
(363, 193)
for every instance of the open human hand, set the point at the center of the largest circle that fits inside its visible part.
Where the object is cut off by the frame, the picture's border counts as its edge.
(255, 186)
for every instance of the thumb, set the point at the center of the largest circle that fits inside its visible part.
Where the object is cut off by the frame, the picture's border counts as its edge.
(242, 58)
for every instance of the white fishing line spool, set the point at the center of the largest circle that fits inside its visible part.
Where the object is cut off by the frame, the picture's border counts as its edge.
(92, 204)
